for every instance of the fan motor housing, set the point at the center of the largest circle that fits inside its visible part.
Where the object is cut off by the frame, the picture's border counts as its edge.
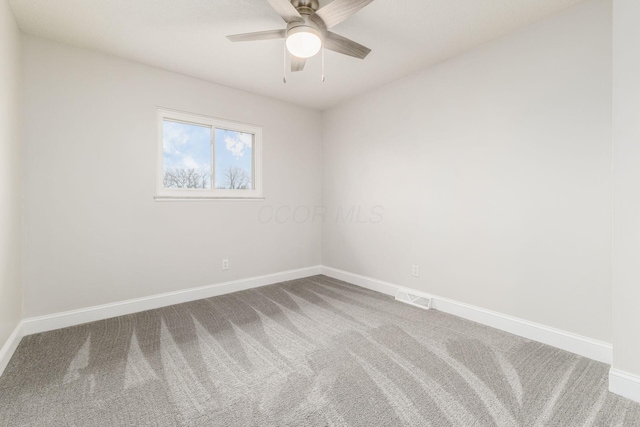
(308, 26)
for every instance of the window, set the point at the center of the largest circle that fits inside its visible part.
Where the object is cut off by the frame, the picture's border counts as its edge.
(202, 157)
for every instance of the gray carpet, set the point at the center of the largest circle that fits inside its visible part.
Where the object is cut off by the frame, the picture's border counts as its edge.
(311, 352)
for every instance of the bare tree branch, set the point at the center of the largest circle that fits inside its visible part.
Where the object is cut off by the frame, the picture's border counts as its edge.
(186, 178)
(236, 179)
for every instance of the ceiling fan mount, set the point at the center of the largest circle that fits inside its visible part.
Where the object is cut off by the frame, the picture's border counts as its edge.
(308, 27)
(306, 7)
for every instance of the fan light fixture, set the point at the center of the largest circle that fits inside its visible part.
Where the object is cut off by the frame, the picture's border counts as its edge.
(303, 41)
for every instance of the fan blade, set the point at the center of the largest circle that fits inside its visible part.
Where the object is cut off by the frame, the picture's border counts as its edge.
(286, 10)
(260, 35)
(297, 64)
(343, 45)
(339, 10)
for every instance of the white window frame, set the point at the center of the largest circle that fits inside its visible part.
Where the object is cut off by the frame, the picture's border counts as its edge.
(163, 193)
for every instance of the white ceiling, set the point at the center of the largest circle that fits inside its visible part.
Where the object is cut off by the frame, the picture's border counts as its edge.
(188, 36)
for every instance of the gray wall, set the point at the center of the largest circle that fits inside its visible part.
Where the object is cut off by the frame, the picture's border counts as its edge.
(626, 186)
(493, 173)
(10, 85)
(93, 233)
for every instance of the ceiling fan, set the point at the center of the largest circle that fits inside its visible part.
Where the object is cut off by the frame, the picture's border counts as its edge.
(308, 27)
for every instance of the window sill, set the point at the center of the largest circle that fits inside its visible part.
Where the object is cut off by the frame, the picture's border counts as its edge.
(206, 199)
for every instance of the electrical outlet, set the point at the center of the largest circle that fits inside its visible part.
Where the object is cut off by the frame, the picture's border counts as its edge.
(225, 264)
(415, 271)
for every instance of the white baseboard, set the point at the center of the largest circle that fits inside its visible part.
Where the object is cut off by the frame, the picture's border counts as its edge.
(583, 346)
(10, 346)
(34, 325)
(363, 281)
(597, 350)
(624, 384)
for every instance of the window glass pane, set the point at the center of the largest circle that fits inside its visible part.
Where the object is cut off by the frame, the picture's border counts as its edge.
(234, 160)
(186, 155)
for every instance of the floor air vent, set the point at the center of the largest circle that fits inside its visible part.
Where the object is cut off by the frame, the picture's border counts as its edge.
(412, 299)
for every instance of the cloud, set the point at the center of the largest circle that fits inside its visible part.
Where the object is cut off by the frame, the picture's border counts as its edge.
(190, 163)
(174, 136)
(237, 142)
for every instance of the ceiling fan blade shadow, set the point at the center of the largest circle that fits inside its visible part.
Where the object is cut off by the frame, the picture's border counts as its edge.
(343, 45)
(297, 64)
(286, 10)
(338, 10)
(260, 35)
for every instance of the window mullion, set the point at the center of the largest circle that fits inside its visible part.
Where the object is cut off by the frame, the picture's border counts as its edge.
(213, 158)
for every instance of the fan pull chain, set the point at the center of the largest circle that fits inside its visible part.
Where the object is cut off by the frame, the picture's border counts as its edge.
(284, 62)
(323, 63)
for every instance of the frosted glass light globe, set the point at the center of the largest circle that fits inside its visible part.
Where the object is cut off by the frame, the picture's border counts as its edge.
(303, 43)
